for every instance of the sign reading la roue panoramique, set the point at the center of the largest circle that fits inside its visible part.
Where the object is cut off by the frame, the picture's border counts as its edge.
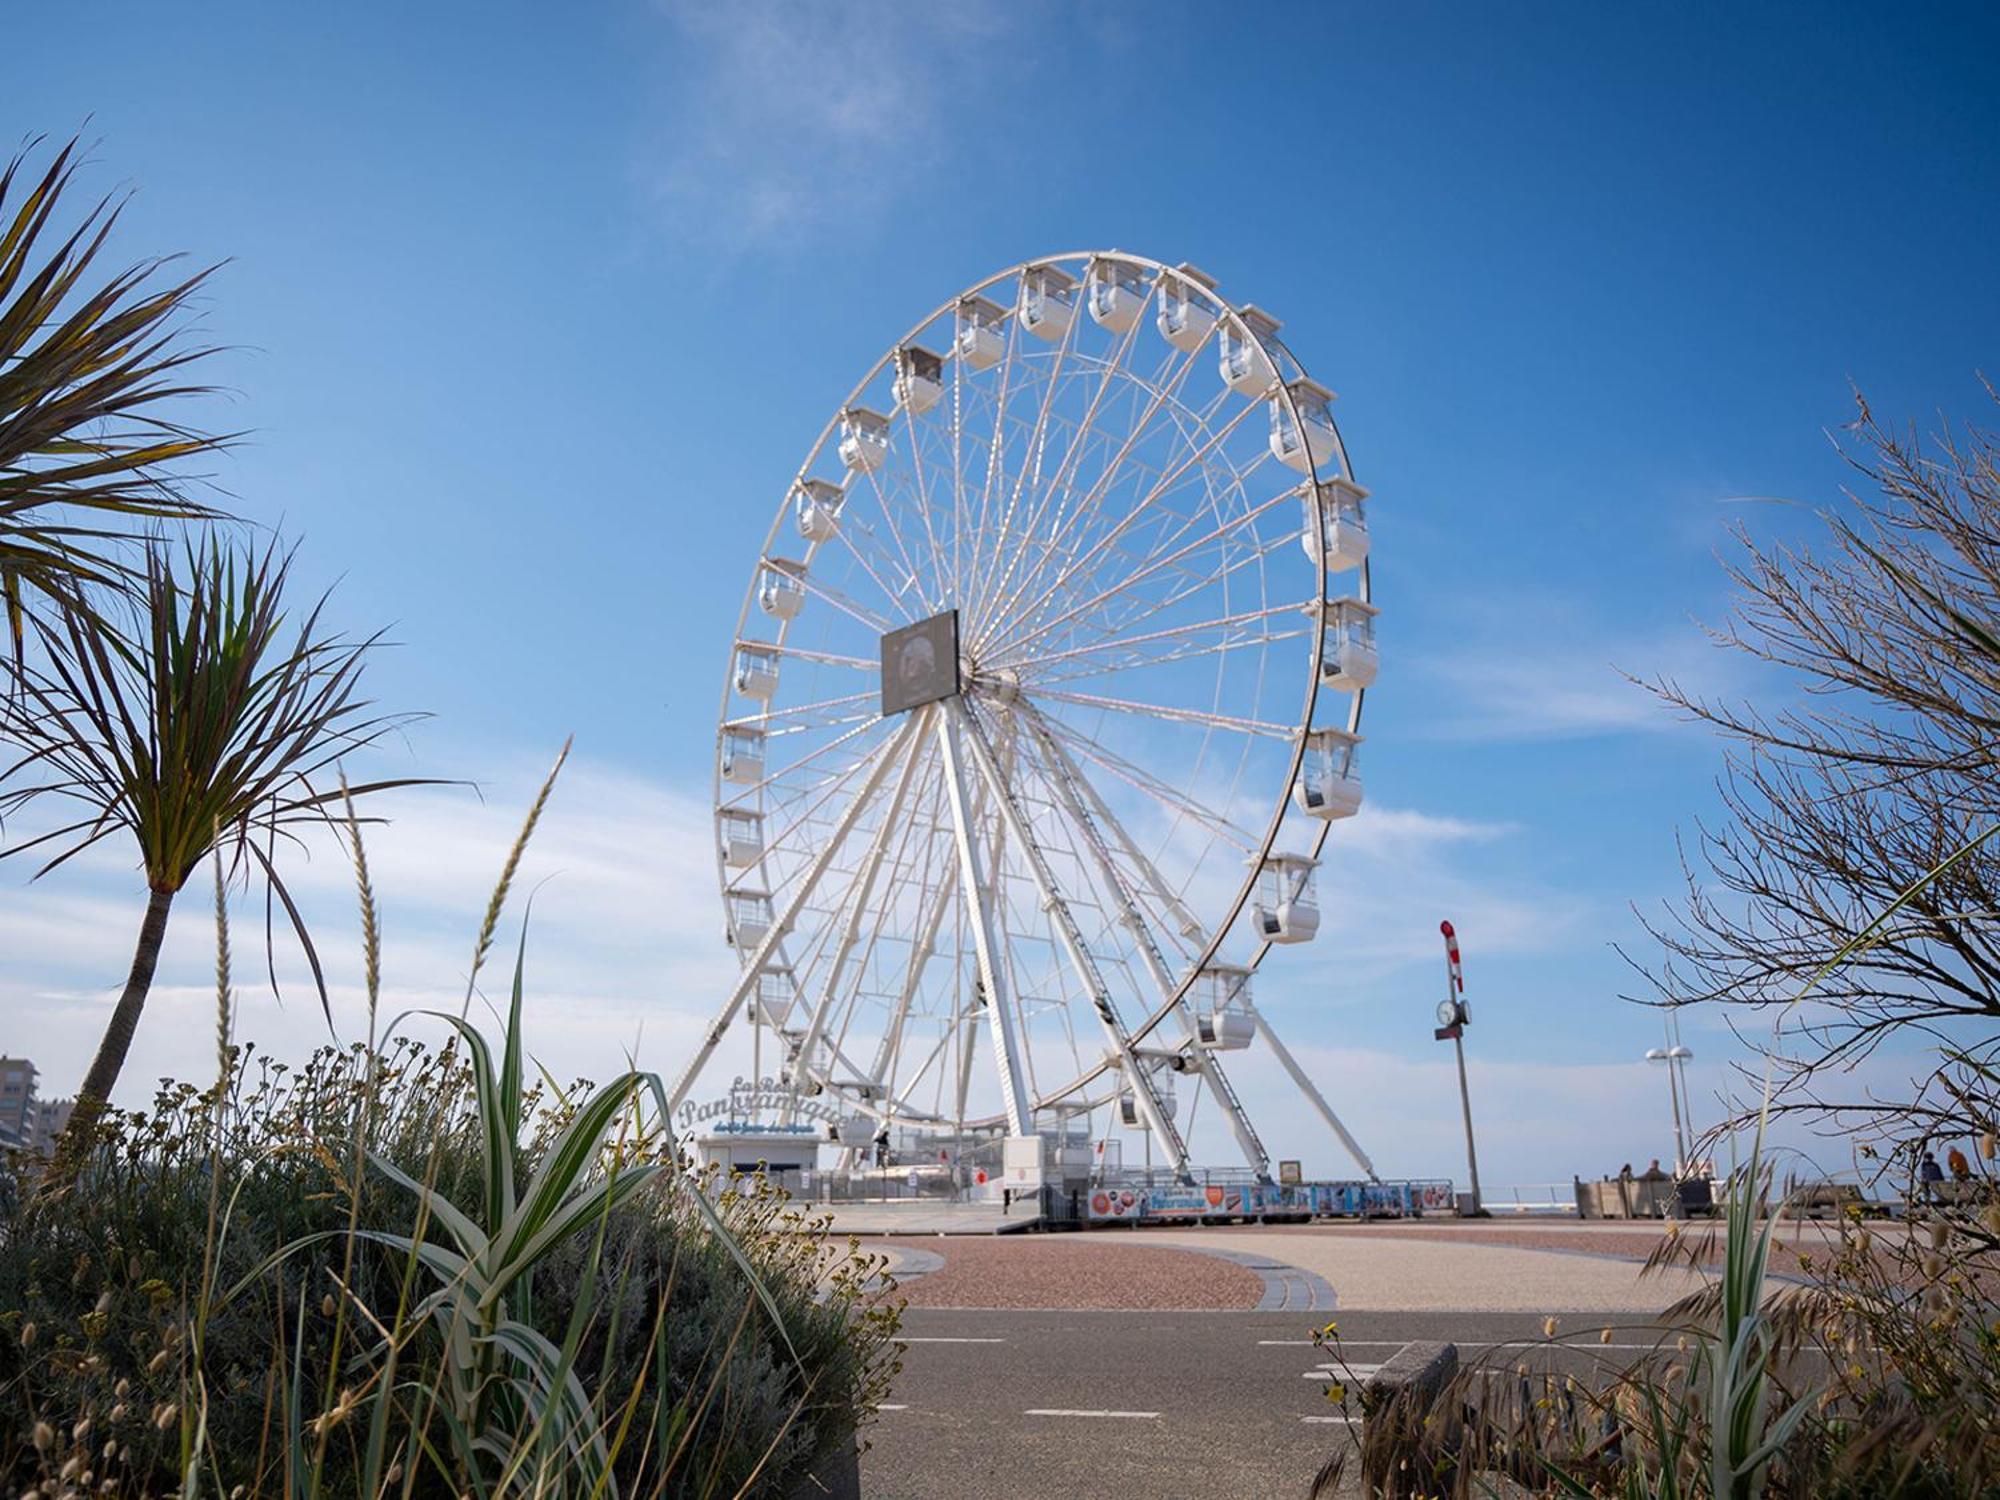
(746, 1100)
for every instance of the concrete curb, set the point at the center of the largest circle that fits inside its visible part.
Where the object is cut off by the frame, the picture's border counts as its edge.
(1287, 1288)
(1395, 1400)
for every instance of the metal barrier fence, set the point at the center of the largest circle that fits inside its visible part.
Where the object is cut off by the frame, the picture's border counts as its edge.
(1131, 1196)
(1222, 1198)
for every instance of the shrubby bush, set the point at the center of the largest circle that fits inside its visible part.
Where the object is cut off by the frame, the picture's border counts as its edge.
(124, 1354)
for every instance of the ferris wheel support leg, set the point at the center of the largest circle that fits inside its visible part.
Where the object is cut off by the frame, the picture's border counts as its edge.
(753, 970)
(1312, 1093)
(889, 1055)
(1067, 781)
(863, 892)
(1158, 1121)
(979, 906)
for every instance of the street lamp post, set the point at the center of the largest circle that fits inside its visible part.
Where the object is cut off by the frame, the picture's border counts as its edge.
(1675, 1057)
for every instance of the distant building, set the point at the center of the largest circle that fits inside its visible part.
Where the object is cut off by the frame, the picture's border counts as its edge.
(51, 1120)
(17, 1102)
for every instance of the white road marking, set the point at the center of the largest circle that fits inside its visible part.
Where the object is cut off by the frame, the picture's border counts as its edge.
(1338, 1372)
(934, 1340)
(1577, 1343)
(1581, 1345)
(1344, 1343)
(1059, 1411)
(885, 1406)
(1341, 1421)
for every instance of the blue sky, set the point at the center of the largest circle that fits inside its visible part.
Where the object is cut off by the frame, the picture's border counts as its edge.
(534, 310)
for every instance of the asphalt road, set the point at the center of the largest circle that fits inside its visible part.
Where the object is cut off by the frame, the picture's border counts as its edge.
(1135, 1405)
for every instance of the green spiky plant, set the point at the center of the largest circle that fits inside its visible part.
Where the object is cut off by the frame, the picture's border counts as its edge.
(691, 1338)
(205, 721)
(91, 365)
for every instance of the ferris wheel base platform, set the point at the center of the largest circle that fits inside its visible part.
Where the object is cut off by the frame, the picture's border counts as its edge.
(926, 1216)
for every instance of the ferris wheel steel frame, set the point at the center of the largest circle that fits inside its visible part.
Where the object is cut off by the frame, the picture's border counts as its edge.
(1001, 753)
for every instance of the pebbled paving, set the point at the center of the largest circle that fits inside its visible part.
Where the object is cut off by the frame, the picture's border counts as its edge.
(1287, 1288)
(1075, 1271)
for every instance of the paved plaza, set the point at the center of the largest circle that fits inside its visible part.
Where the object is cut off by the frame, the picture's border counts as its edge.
(1179, 1362)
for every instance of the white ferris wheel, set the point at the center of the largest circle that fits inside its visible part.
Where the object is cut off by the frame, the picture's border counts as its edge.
(1043, 699)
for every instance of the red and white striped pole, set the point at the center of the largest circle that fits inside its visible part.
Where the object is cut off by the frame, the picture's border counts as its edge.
(1455, 1016)
(1454, 976)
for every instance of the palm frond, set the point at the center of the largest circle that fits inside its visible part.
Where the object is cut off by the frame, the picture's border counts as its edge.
(89, 372)
(196, 720)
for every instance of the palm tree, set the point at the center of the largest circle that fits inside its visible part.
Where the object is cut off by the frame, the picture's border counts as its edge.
(205, 726)
(87, 369)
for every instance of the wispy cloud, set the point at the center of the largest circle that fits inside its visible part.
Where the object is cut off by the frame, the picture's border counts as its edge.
(1386, 878)
(626, 951)
(786, 116)
(1554, 675)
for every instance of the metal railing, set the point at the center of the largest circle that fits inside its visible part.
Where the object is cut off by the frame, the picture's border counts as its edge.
(1536, 1199)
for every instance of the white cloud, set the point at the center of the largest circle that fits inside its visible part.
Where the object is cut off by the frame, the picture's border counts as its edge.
(1389, 873)
(786, 116)
(1554, 676)
(626, 948)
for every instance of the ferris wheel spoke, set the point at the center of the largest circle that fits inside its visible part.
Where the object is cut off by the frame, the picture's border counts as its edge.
(1005, 653)
(958, 399)
(821, 706)
(1114, 629)
(1067, 565)
(892, 598)
(943, 499)
(1173, 715)
(1161, 396)
(1177, 920)
(752, 789)
(996, 449)
(1062, 480)
(1088, 973)
(782, 923)
(1071, 453)
(1032, 664)
(819, 658)
(1178, 802)
(1094, 664)
(1031, 454)
(860, 613)
(943, 580)
(1138, 509)
(902, 558)
(855, 902)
